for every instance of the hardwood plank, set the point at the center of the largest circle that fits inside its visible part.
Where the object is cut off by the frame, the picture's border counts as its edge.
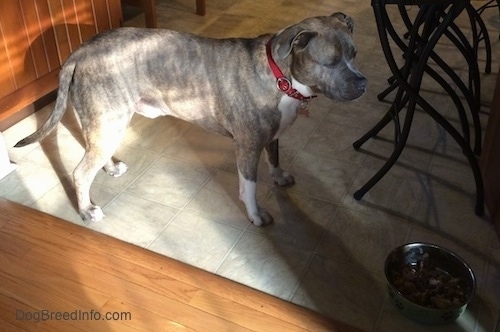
(56, 250)
(38, 299)
(7, 326)
(142, 318)
(15, 294)
(97, 278)
(239, 313)
(132, 291)
(8, 307)
(12, 245)
(160, 291)
(53, 282)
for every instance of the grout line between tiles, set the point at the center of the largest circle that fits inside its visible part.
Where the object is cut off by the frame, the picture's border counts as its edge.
(314, 252)
(216, 270)
(134, 180)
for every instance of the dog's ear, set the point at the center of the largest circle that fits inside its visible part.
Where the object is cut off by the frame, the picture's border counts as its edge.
(290, 37)
(347, 20)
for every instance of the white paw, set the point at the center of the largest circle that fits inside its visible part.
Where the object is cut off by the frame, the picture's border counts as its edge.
(283, 179)
(263, 218)
(117, 170)
(93, 213)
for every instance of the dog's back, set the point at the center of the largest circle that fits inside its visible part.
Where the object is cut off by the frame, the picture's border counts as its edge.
(158, 72)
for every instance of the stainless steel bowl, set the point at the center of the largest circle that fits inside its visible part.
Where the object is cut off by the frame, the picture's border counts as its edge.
(428, 283)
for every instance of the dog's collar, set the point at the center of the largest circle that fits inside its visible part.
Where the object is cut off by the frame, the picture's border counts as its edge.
(282, 82)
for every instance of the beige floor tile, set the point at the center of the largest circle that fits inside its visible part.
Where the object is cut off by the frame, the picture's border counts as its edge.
(59, 151)
(22, 129)
(197, 241)
(133, 219)
(265, 264)
(343, 291)
(332, 140)
(455, 173)
(28, 183)
(360, 115)
(395, 195)
(298, 220)
(451, 211)
(413, 163)
(170, 182)
(322, 176)
(363, 239)
(201, 147)
(265, 9)
(231, 25)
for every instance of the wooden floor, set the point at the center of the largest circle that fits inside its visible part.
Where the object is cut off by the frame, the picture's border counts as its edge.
(52, 267)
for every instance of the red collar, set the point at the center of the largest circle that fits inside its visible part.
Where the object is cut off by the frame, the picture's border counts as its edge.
(282, 82)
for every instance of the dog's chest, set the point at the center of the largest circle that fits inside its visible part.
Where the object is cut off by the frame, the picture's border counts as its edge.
(289, 109)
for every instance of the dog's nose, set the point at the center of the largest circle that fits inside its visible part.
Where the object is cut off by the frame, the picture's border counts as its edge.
(362, 84)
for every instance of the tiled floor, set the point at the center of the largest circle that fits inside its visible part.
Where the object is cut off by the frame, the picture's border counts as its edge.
(325, 250)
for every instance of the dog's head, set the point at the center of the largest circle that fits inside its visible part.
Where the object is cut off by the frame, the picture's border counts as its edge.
(321, 52)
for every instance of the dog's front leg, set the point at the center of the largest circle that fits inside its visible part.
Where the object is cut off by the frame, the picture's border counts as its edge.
(280, 177)
(247, 160)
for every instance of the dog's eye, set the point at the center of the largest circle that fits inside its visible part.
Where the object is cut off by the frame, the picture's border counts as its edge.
(334, 61)
(351, 54)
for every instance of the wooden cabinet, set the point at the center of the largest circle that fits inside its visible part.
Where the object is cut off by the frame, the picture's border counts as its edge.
(490, 159)
(37, 36)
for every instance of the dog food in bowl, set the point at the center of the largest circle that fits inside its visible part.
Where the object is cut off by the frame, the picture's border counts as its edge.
(429, 284)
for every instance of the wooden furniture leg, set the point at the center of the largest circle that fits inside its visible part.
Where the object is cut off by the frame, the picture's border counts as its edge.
(148, 6)
(201, 7)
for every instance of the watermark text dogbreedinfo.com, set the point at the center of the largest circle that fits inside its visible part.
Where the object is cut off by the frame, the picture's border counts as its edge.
(75, 315)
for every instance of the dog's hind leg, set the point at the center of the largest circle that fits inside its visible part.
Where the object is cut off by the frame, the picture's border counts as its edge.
(83, 175)
(100, 146)
(247, 161)
(280, 177)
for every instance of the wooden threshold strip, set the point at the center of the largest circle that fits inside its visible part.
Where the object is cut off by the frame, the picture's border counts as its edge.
(58, 276)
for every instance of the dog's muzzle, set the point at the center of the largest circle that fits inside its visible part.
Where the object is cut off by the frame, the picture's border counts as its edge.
(359, 86)
(352, 86)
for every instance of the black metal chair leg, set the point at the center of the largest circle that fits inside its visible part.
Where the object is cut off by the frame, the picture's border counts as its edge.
(430, 24)
(398, 149)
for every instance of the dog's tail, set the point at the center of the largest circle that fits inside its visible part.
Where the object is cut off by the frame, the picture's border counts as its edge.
(65, 78)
